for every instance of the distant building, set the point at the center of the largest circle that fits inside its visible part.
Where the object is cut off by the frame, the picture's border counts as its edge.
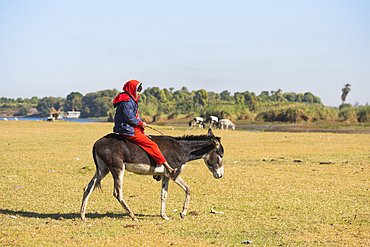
(33, 111)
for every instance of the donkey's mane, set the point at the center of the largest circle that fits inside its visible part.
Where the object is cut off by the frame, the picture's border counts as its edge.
(194, 137)
(184, 137)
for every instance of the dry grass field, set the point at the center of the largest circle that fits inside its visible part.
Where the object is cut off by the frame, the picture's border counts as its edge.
(279, 189)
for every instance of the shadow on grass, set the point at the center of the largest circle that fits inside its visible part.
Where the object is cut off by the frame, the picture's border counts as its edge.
(71, 216)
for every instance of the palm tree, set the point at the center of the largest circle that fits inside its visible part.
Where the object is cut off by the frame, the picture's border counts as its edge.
(345, 91)
(278, 94)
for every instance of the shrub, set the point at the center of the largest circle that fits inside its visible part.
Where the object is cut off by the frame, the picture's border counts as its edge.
(245, 114)
(363, 114)
(343, 106)
(23, 111)
(348, 114)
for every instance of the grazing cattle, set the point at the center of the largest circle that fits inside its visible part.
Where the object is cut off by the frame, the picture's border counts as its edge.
(213, 122)
(227, 123)
(195, 121)
(113, 153)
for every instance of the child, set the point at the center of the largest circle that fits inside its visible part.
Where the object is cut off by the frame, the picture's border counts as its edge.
(127, 122)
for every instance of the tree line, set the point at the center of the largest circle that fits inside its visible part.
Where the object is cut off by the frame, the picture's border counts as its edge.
(157, 104)
(90, 105)
(154, 101)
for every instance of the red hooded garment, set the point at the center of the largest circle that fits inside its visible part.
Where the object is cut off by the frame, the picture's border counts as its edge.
(130, 87)
(130, 93)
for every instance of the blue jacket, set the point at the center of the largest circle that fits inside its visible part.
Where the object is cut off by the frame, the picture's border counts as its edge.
(125, 118)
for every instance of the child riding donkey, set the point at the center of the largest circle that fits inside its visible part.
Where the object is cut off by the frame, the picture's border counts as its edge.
(127, 122)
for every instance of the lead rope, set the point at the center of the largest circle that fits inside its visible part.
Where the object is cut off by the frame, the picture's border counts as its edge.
(154, 129)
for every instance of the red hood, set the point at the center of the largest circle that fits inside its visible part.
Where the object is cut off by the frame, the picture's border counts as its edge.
(131, 88)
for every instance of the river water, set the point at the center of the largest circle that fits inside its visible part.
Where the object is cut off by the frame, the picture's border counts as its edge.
(80, 120)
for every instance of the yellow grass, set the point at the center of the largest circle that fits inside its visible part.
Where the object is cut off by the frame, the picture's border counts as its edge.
(266, 195)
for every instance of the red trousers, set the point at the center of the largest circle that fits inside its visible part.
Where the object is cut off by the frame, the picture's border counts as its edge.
(148, 145)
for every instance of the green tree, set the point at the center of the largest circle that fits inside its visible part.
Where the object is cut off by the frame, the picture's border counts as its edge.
(35, 100)
(291, 97)
(264, 96)
(45, 104)
(158, 94)
(225, 95)
(168, 94)
(179, 96)
(142, 98)
(251, 100)
(239, 98)
(184, 90)
(316, 100)
(300, 97)
(201, 97)
(213, 97)
(308, 97)
(101, 106)
(23, 111)
(73, 101)
(97, 104)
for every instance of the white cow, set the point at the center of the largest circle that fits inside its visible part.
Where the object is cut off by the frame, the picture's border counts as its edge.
(195, 121)
(227, 123)
(213, 122)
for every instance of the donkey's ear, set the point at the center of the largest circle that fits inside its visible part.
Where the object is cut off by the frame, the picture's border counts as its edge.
(210, 133)
(216, 142)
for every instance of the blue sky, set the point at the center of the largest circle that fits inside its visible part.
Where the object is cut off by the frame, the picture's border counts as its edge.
(52, 48)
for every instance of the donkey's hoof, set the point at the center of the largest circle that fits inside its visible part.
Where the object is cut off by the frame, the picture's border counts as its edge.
(135, 219)
(164, 217)
(182, 215)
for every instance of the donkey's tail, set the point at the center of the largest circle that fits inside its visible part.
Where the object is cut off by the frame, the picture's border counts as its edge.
(98, 173)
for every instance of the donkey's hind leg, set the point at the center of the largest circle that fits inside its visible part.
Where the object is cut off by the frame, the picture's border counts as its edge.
(118, 181)
(99, 175)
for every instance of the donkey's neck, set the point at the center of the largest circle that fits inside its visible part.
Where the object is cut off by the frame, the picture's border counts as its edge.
(196, 149)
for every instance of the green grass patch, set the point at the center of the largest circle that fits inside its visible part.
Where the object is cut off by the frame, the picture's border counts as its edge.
(304, 189)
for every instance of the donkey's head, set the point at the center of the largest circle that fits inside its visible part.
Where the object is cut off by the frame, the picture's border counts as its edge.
(213, 158)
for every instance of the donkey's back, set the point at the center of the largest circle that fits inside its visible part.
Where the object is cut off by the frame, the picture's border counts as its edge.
(115, 150)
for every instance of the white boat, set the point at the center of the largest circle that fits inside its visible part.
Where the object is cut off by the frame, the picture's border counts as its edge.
(73, 114)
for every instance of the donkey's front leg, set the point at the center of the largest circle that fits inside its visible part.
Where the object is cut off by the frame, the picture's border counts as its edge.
(165, 182)
(118, 181)
(186, 188)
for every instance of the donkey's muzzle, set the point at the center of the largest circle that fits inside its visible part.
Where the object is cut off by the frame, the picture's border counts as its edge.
(219, 172)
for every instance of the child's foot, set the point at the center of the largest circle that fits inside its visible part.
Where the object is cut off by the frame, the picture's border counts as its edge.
(172, 173)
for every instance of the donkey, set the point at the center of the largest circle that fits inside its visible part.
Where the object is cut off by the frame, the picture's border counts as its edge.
(113, 153)
(227, 123)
